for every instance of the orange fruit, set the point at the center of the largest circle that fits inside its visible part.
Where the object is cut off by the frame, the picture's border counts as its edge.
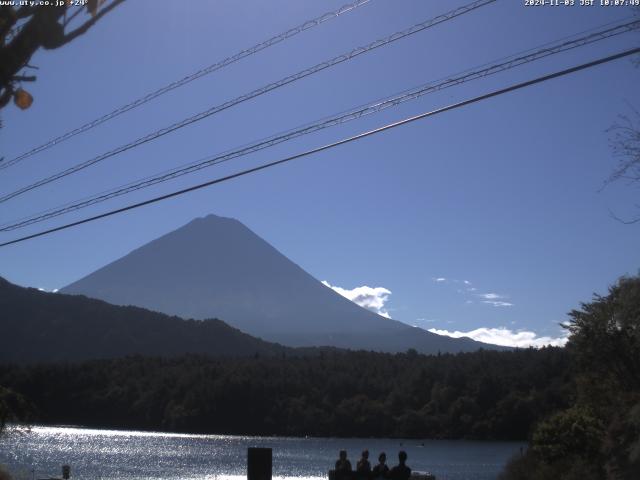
(22, 99)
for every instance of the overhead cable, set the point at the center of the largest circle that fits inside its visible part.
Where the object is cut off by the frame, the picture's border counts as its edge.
(359, 136)
(353, 114)
(292, 32)
(255, 93)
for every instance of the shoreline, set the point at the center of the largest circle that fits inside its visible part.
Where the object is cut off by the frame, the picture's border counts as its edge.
(160, 433)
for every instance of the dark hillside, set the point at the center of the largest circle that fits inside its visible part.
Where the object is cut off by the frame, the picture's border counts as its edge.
(37, 326)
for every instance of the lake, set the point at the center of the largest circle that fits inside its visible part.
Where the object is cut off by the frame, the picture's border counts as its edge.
(111, 454)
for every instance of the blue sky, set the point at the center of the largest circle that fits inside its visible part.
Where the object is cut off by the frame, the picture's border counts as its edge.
(503, 196)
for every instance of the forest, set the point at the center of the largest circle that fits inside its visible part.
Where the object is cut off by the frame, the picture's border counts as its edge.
(484, 395)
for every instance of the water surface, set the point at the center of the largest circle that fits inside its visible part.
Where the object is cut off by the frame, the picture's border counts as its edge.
(110, 455)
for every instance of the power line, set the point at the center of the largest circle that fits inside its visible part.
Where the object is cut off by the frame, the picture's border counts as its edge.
(359, 136)
(255, 93)
(353, 114)
(189, 78)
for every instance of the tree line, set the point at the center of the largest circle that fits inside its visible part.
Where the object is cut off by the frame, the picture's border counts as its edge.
(482, 395)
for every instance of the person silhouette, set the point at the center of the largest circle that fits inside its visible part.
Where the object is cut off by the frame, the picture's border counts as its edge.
(401, 471)
(343, 466)
(363, 467)
(381, 470)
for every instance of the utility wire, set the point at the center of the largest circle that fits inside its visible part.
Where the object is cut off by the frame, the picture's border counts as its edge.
(359, 136)
(189, 78)
(374, 107)
(255, 93)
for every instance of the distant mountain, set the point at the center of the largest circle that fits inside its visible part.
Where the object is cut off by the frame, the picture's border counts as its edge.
(215, 267)
(37, 326)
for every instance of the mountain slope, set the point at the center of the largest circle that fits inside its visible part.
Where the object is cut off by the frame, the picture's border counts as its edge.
(37, 326)
(217, 267)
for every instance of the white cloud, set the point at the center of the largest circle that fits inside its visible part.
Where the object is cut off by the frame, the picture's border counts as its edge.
(371, 298)
(498, 303)
(506, 337)
(490, 296)
(469, 291)
(494, 299)
(424, 321)
(55, 290)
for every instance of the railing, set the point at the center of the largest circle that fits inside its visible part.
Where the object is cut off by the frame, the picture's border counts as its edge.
(416, 475)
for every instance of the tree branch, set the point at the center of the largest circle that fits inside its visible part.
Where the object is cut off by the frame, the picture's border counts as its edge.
(84, 27)
(7, 20)
(40, 26)
(25, 11)
(6, 95)
(24, 78)
(621, 220)
(624, 140)
(74, 15)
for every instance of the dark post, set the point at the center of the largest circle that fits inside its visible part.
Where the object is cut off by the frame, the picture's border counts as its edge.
(66, 472)
(259, 464)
